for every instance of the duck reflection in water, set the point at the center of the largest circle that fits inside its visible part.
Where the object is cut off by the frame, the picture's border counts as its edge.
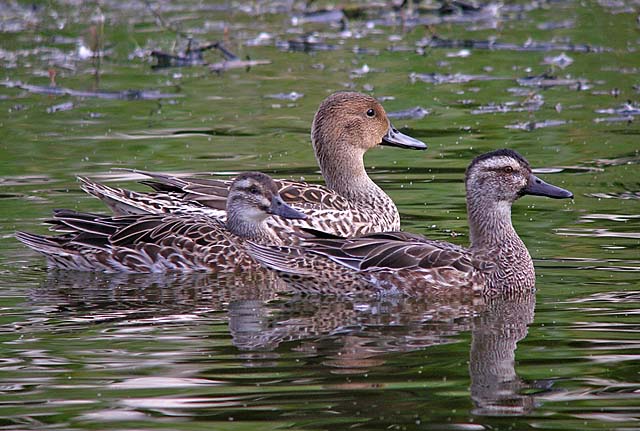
(356, 337)
(350, 336)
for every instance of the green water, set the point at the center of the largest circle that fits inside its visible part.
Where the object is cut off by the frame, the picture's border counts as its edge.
(89, 351)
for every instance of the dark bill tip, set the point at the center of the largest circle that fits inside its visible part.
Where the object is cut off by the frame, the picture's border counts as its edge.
(395, 138)
(537, 187)
(280, 208)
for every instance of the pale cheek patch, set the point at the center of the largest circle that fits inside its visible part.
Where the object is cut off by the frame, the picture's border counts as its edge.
(523, 183)
(254, 214)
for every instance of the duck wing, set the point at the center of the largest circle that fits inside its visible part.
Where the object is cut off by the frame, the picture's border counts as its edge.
(393, 251)
(194, 197)
(171, 192)
(213, 192)
(134, 243)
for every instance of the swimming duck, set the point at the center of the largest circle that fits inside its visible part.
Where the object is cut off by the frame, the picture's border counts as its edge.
(345, 127)
(164, 242)
(496, 261)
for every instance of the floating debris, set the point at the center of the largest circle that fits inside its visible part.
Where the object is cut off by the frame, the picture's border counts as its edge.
(556, 25)
(616, 195)
(463, 53)
(530, 45)
(546, 80)
(624, 119)
(368, 51)
(519, 91)
(195, 57)
(622, 114)
(84, 53)
(285, 96)
(628, 108)
(415, 113)
(260, 40)
(360, 72)
(321, 17)
(533, 125)
(497, 108)
(236, 64)
(66, 106)
(455, 78)
(61, 91)
(532, 103)
(615, 92)
(562, 61)
(619, 161)
(624, 70)
(164, 60)
(308, 44)
(452, 11)
(190, 57)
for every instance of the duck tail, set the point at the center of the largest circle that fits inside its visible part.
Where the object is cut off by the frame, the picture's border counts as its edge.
(47, 245)
(120, 201)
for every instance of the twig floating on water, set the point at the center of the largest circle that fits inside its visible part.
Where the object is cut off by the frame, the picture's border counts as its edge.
(415, 113)
(66, 106)
(236, 64)
(62, 91)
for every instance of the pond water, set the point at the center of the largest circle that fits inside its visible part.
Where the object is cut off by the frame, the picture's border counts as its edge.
(557, 81)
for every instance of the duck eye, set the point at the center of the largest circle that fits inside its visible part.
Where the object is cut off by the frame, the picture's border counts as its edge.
(507, 170)
(371, 113)
(254, 190)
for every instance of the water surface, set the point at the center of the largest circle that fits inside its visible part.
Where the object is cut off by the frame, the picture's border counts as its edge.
(91, 351)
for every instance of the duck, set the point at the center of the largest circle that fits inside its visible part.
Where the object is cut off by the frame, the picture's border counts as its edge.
(495, 262)
(152, 243)
(346, 125)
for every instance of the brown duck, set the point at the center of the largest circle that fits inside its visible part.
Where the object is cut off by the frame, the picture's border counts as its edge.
(345, 127)
(398, 262)
(166, 242)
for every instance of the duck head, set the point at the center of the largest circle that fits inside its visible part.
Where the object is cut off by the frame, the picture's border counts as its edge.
(504, 176)
(254, 196)
(358, 121)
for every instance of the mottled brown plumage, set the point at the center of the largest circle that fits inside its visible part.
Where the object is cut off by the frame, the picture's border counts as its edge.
(346, 125)
(166, 242)
(398, 262)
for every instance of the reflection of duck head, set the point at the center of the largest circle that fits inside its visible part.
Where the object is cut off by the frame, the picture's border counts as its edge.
(496, 388)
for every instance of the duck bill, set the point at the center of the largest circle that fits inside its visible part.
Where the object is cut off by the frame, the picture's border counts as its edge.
(537, 187)
(395, 138)
(280, 208)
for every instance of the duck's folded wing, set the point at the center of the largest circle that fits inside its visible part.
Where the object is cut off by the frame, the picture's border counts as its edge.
(207, 196)
(304, 195)
(213, 192)
(392, 251)
(136, 243)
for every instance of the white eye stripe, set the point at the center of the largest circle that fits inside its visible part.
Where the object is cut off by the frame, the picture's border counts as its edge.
(500, 163)
(243, 184)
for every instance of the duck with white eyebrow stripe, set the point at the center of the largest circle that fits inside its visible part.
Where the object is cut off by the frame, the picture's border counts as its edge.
(497, 261)
(164, 242)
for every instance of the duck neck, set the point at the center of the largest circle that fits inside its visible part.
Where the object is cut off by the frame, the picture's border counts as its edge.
(492, 235)
(489, 223)
(243, 223)
(345, 174)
